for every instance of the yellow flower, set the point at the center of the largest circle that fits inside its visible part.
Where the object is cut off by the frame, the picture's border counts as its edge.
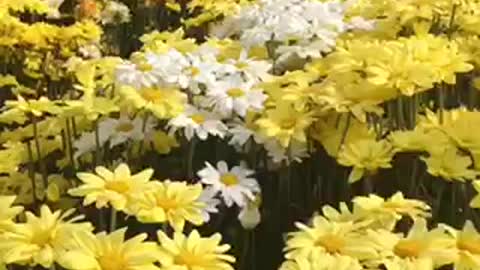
(327, 237)
(365, 156)
(164, 103)
(450, 165)
(421, 249)
(381, 213)
(322, 262)
(163, 143)
(193, 252)
(115, 187)
(284, 123)
(175, 202)
(35, 107)
(8, 212)
(110, 252)
(41, 239)
(468, 246)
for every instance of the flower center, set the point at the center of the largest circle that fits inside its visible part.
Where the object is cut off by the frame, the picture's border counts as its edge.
(241, 65)
(288, 123)
(235, 92)
(42, 237)
(124, 127)
(112, 261)
(408, 248)
(152, 95)
(470, 246)
(144, 67)
(194, 71)
(198, 118)
(191, 261)
(229, 179)
(332, 243)
(119, 186)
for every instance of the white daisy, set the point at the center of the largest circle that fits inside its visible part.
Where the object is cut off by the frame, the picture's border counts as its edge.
(121, 130)
(172, 66)
(234, 94)
(198, 122)
(240, 134)
(256, 70)
(249, 216)
(53, 6)
(296, 151)
(208, 198)
(143, 71)
(87, 143)
(235, 185)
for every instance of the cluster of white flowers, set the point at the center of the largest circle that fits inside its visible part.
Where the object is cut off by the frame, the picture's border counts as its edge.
(115, 12)
(302, 27)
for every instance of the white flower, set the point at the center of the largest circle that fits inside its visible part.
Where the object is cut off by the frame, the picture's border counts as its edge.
(172, 66)
(235, 185)
(87, 143)
(249, 216)
(121, 130)
(256, 70)
(90, 51)
(208, 198)
(234, 94)
(198, 122)
(240, 134)
(296, 151)
(143, 71)
(115, 12)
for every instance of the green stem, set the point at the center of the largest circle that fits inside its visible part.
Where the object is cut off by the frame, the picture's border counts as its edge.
(97, 144)
(191, 154)
(41, 162)
(31, 172)
(113, 219)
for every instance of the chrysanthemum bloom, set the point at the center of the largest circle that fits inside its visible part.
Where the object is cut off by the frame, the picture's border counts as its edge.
(175, 202)
(235, 185)
(365, 156)
(421, 249)
(193, 252)
(115, 187)
(384, 213)
(468, 246)
(8, 212)
(110, 252)
(40, 240)
(322, 262)
(328, 237)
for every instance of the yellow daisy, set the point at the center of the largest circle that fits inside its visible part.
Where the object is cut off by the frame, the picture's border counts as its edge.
(8, 212)
(175, 202)
(41, 239)
(110, 252)
(193, 252)
(114, 187)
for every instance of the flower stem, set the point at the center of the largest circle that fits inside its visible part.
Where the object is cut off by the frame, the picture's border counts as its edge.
(190, 156)
(113, 219)
(41, 163)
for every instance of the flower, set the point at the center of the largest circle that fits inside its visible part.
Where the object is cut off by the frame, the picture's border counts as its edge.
(421, 249)
(233, 94)
(235, 185)
(121, 130)
(468, 246)
(175, 202)
(142, 71)
(115, 12)
(193, 252)
(114, 187)
(365, 155)
(8, 212)
(41, 239)
(198, 122)
(110, 252)
(208, 199)
(450, 165)
(249, 216)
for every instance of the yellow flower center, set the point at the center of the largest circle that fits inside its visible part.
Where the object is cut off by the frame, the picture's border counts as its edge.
(288, 123)
(470, 246)
(241, 65)
(144, 67)
(42, 237)
(408, 248)
(198, 118)
(152, 95)
(166, 203)
(112, 261)
(229, 179)
(235, 92)
(124, 127)
(194, 71)
(332, 243)
(119, 186)
(191, 261)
